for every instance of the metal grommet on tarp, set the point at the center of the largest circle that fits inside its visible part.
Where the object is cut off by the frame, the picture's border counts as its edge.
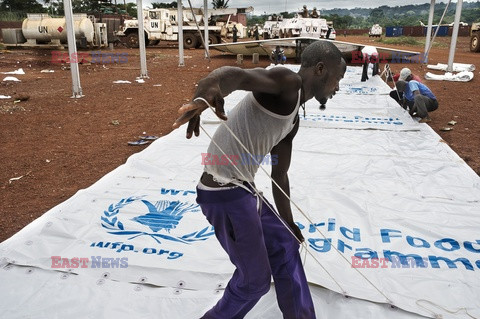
(181, 284)
(177, 291)
(106, 275)
(64, 276)
(143, 279)
(29, 271)
(100, 282)
(138, 288)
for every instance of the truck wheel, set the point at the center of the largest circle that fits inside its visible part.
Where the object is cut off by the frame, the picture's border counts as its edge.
(132, 40)
(199, 43)
(189, 41)
(212, 39)
(475, 43)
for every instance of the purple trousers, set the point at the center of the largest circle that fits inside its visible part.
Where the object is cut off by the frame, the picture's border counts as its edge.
(259, 246)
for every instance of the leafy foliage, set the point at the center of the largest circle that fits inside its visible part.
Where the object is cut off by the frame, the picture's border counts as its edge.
(218, 4)
(161, 5)
(30, 6)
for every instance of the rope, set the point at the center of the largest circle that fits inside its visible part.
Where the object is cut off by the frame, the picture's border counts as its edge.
(259, 195)
(439, 316)
(296, 206)
(388, 74)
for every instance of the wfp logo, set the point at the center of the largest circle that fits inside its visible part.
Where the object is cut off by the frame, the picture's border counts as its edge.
(159, 220)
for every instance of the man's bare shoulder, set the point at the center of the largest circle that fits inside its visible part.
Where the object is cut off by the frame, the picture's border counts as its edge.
(286, 78)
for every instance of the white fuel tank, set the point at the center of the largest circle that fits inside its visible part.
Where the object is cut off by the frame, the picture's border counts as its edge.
(43, 28)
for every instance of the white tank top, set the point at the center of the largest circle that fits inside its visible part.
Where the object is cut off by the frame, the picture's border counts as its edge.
(258, 129)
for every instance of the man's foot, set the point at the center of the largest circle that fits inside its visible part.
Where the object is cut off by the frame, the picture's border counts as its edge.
(425, 120)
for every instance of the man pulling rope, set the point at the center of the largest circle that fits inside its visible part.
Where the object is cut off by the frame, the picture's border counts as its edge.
(266, 121)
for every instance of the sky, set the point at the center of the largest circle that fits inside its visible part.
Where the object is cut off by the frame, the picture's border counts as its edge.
(276, 6)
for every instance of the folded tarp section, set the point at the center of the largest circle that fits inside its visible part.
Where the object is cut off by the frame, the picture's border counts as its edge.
(391, 221)
(457, 67)
(463, 76)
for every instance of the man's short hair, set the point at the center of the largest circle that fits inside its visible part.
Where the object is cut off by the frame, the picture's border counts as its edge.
(321, 51)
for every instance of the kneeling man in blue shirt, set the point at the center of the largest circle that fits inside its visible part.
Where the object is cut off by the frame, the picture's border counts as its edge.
(419, 98)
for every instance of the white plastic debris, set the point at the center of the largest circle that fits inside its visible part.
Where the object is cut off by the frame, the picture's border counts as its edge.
(47, 71)
(140, 80)
(122, 82)
(11, 79)
(464, 76)
(14, 179)
(5, 97)
(457, 67)
(16, 72)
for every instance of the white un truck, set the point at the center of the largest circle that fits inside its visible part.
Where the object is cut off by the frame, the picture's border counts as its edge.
(161, 25)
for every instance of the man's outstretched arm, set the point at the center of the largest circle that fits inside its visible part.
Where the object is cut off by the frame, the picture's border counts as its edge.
(221, 82)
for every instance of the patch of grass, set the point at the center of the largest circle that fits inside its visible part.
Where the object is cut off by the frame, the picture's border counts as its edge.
(437, 44)
(400, 41)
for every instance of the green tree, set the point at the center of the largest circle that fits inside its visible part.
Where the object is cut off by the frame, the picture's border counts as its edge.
(131, 9)
(376, 15)
(287, 15)
(27, 6)
(161, 5)
(219, 4)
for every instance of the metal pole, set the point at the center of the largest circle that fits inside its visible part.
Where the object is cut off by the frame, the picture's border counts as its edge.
(141, 41)
(198, 29)
(181, 58)
(72, 49)
(453, 44)
(205, 24)
(436, 31)
(429, 31)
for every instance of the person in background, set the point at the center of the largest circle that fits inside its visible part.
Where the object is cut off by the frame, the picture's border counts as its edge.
(314, 13)
(404, 75)
(369, 56)
(304, 12)
(419, 99)
(234, 33)
(278, 56)
(255, 32)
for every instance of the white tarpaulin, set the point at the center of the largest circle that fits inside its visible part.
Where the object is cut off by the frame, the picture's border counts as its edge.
(136, 245)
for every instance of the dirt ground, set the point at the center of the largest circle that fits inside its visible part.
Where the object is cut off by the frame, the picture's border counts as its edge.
(53, 145)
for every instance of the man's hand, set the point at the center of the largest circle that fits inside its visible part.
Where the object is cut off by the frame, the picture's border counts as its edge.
(297, 232)
(191, 113)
